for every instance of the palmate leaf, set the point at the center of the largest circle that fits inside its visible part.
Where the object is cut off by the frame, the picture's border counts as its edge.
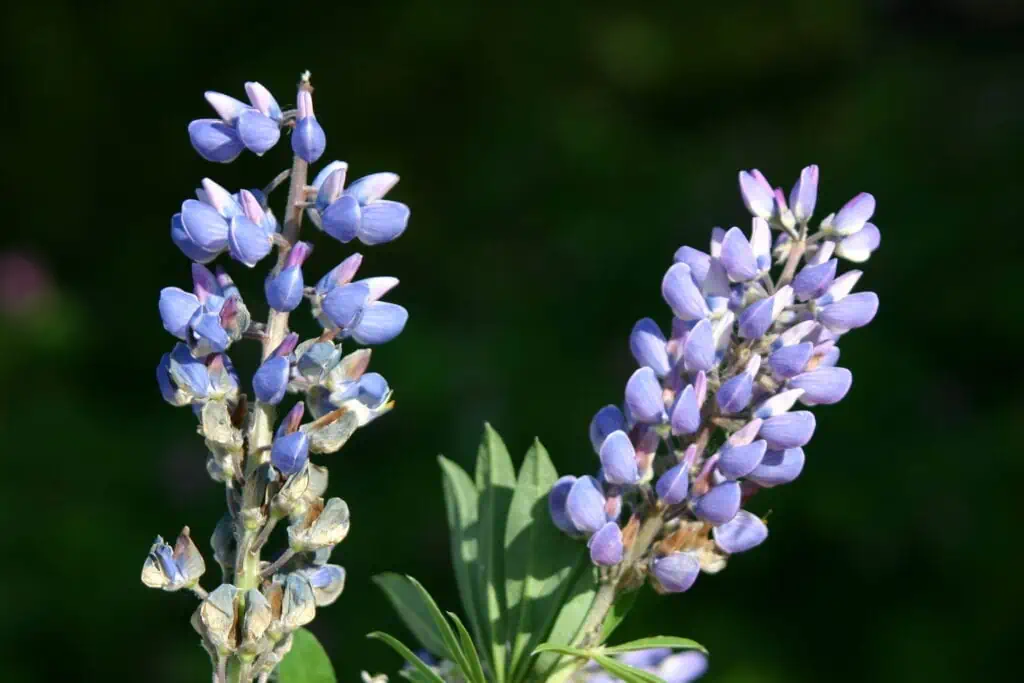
(306, 662)
(408, 602)
(425, 672)
(538, 561)
(495, 482)
(461, 504)
(574, 607)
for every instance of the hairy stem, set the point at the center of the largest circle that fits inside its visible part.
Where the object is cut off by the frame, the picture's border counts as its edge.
(796, 252)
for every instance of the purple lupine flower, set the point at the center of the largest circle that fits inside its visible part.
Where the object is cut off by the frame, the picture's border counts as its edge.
(618, 458)
(606, 548)
(290, 452)
(854, 214)
(557, 501)
(675, 573)
(686, 413)
(648, 345)
(760, 345)
(757, 193)
(240, 126)
(643, 397)
(359, 211)
(308, 138)
(270, 381)
(607, 420)
(859, 246)
(741, 533)
(284, 289)
(804, 195)
(720, 504)
(778, 467)
(585, 505)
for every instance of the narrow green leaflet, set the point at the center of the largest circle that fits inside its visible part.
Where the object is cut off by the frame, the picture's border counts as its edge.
(409, 604)
(570, 618)
(451, 645)
(627, 673)
(425, 671)
(656, 641)
(495, 482)
(538, 559)
(477, 670)
(620, 608)
(566, 650)
(306, 662)
(461, 501)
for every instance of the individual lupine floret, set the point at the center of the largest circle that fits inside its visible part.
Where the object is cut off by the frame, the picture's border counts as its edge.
(240, 126)
(323, 526)
(172, 569)
(308, 138)
(757, 346)
(356, 310)
(270, 381)
(218, 221)
(360, 210)
(327, 582)
(285, 287)
(291, 445)
(185, 379)
(211, 318)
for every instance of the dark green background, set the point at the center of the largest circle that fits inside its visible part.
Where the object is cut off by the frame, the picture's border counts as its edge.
(554, 156)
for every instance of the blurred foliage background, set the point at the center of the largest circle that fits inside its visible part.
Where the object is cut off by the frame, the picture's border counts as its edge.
(554, 155)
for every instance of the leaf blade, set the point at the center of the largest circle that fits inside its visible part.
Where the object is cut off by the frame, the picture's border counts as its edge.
(495, 481)
(620, 608)
(461, 505)
(629, 674)
(406, 654)
(452, 648)
(477, 671)
(673, 642)
(575, 603)
(539, 559)
(306, 662)
(410, 607)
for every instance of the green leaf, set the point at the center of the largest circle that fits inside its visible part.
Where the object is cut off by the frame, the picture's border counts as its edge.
(656, 641)
(538, 560)
(425, 671)
(495, 482)
(627, 673)
(451, 645)
(575, 605)
(306, 662)
(620, 608)
(414, 612)
(477, 670)
(461, 503)
(567, 650)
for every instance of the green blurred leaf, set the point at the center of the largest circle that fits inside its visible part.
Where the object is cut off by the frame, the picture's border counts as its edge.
(461, 502)
(620, 608)
(409, 604)
(656, 641)
(538, 560)
(495, 482)
(570, 617)
(561, 649)
(477, 670)
(625, 672)
(306, 662)
(425, 671)
(451, 644)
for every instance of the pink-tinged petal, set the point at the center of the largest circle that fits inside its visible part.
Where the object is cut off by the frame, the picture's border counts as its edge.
(804, 196)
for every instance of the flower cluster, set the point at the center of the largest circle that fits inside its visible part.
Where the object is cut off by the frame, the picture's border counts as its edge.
(709, 418)
(264, 464)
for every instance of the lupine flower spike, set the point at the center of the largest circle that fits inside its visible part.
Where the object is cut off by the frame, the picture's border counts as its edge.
(269, 472)
(713, 414)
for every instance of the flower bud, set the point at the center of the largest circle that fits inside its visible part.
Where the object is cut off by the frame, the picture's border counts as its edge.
(557, 505)
(606, 421)
(327, 581)
(215, 140)
(585, 505)
(284, 290)
(741, 533)
(648, 346)
(644, 397)
(290, 452)
(618, 458)
(682, 294)
(216, 619)
(757, 194)
(308, 138)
